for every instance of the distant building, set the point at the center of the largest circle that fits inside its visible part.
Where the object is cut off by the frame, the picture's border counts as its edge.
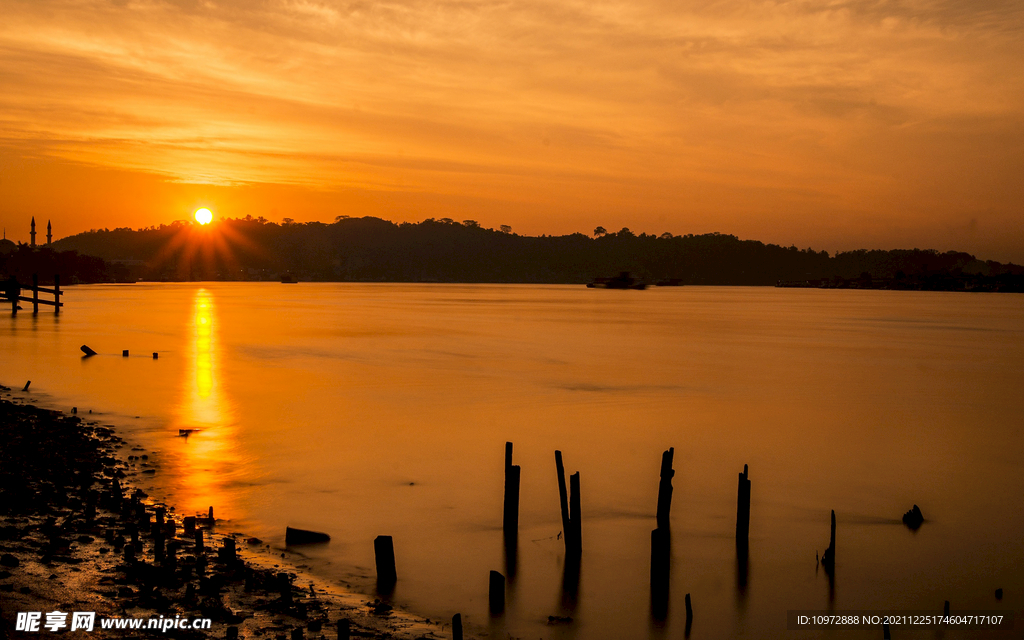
(49, 233)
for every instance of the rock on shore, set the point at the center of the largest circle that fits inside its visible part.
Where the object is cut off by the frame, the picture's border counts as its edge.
(74, 536)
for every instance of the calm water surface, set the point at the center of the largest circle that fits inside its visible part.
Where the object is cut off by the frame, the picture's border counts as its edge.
(366, 409)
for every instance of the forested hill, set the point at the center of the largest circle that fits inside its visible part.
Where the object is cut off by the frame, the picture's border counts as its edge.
(371, 249)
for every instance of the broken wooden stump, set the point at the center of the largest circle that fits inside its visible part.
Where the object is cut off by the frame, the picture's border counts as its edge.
(189, 525)
(87, 351)
(496, 593)
(227, 550)
(384, 557)
(570, 506)
(665, 488)
(661, 542)
(743, 510)
(304, 536)
(457, 626)
(124, 353)
(510, 517)
(344, 629)
(27, 386)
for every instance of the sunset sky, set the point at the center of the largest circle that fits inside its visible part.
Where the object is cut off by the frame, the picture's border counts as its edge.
(827, 124)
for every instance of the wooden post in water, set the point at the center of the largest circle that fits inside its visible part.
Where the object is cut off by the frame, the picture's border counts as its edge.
(384, 556)
(563, 497)
(660, 561)
(689, 617)
(35, 294)
(510, 519)
(665, 488)
(457, 626)
(575, 524)
(743, 510)
(570, 505)
(496, 593)
(828, 559)
(56, 293)
(344, 629)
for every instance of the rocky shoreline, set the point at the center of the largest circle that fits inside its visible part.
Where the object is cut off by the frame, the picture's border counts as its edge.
(75, 536)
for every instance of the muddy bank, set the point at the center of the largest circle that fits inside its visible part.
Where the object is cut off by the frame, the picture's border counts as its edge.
(76, 536)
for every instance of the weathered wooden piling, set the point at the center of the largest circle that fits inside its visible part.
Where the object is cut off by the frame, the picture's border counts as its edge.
(570, 505)
(35, 294)
(660, 558)
(124, 353)
(743, 510)
(457, 626)
(689, 616)
(828, 559)
(189, 525)
(228, 550)
(496, 593)
(209, 515)
(510, 519)
(198, 537)
(665, 488)
(27, 384)
(384, 556)
(344, 629)
(297, 633)
(156, 355)
(574, 512)
(563, 495)
(116, 493)
(87, 350)
(284, 586)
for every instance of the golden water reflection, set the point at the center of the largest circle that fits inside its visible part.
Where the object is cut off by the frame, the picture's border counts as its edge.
(209, 452)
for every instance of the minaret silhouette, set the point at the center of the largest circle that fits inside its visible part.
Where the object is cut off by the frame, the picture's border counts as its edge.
(49, 232)
(32, 233)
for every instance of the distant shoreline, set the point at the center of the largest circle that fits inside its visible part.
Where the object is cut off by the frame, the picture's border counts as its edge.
(375, 250)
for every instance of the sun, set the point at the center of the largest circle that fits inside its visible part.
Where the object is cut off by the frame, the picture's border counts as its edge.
(203, 216)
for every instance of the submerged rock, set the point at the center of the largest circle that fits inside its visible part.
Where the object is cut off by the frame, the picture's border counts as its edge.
(913, 518)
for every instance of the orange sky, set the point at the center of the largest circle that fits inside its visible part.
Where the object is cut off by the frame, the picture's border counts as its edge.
(832, 124)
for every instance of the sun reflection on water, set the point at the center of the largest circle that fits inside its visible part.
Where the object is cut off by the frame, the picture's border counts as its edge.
(209, 455)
